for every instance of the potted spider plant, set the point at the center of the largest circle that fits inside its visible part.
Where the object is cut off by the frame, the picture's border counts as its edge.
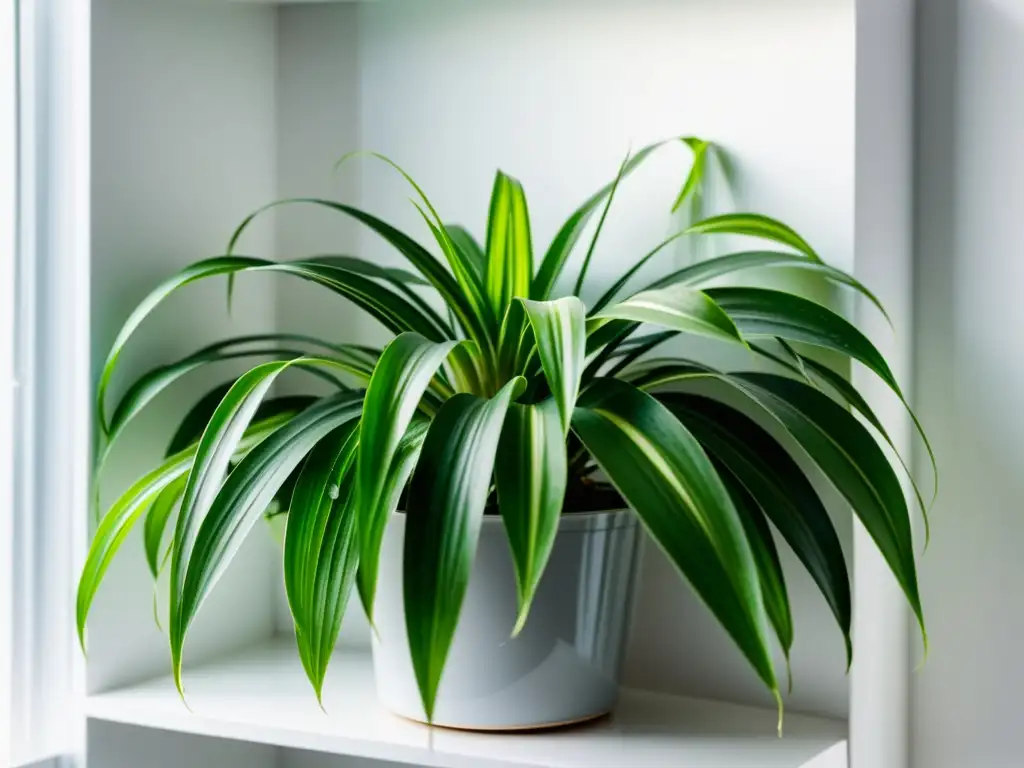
(482, 487)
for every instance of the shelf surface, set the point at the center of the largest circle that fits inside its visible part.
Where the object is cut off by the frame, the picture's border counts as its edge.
(261, 695)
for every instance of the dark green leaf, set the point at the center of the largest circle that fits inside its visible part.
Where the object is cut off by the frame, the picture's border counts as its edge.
(237, 505)
(763, 312)
(780, 488)
(446, 506)
(531, 473)
(849, 456)
(666, 477)
(401, 377)
(321, 549)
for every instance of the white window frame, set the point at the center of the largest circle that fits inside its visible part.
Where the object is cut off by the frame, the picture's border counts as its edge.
(45, 427)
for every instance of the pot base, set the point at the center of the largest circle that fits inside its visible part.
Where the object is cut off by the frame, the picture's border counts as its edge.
(554, 726)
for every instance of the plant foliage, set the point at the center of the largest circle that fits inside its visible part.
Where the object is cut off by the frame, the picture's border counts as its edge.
(522, 396)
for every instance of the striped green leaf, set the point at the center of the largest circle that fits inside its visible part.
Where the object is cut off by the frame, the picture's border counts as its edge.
(427, 264)
(754, 225)
(769, 567)
(851, 459)
(395, 480)
(509, 264)
(677, 307)
(393, 396)
(781, 490)
(119, 520)
(560, 336)
(470, 249)
(568, 235)
(321, 549)
(764, 312)
(700, 274)
(531, 473)
(446, 506)
(665, 476)
(204, 545)
(157, 517)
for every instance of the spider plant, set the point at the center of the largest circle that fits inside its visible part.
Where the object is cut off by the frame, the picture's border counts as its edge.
(516, 397)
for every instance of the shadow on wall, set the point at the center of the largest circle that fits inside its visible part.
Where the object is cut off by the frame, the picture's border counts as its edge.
(970, 376)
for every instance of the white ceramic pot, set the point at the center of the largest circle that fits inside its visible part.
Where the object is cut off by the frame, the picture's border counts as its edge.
(562, 668)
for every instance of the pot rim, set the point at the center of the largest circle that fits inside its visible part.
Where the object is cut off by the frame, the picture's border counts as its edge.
(598, 520)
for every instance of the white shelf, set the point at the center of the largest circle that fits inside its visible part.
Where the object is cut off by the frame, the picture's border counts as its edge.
(261, 695)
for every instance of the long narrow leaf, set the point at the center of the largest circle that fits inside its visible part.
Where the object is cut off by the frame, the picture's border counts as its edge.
(471, 251)
(119, 520)
(531, 474)
(769, 567)
(666, 477)
(578, 287)
(781, 489)
(446, 506)
(764, 312)
(754, 225)
(700, 274)
(321, 549)
(399, 471)
(561, 247)
(418, 256)
(392, 310)
(852, 460)
(157, 517)
(239, 503)
(401, 377)
(509, 265)
(677, 307)
(560, 335)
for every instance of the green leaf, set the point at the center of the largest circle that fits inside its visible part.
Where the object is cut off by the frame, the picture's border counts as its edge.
(560, 335)
(119, 520)
(664, 474)
(150, 385)
(157, 517)
(753, 225)
(395, 480)
(204, 547)
(638, 349)
(509, 265)
(600, 226)
(395, 312)
(700, 274)
(321, 549)
(769, 568)
(851, 459)
(781, 490)
(763, 312)
(471, 251)
(696, 176)
(677, 307)
(531, 474)
(472, 288)
(401, 377)
(428, 265)
(666, 370)
(562, 246)
(849, 393)
(446, 506)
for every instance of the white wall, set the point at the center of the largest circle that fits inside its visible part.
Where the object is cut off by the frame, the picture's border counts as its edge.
(970, 193)
(183, 147)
